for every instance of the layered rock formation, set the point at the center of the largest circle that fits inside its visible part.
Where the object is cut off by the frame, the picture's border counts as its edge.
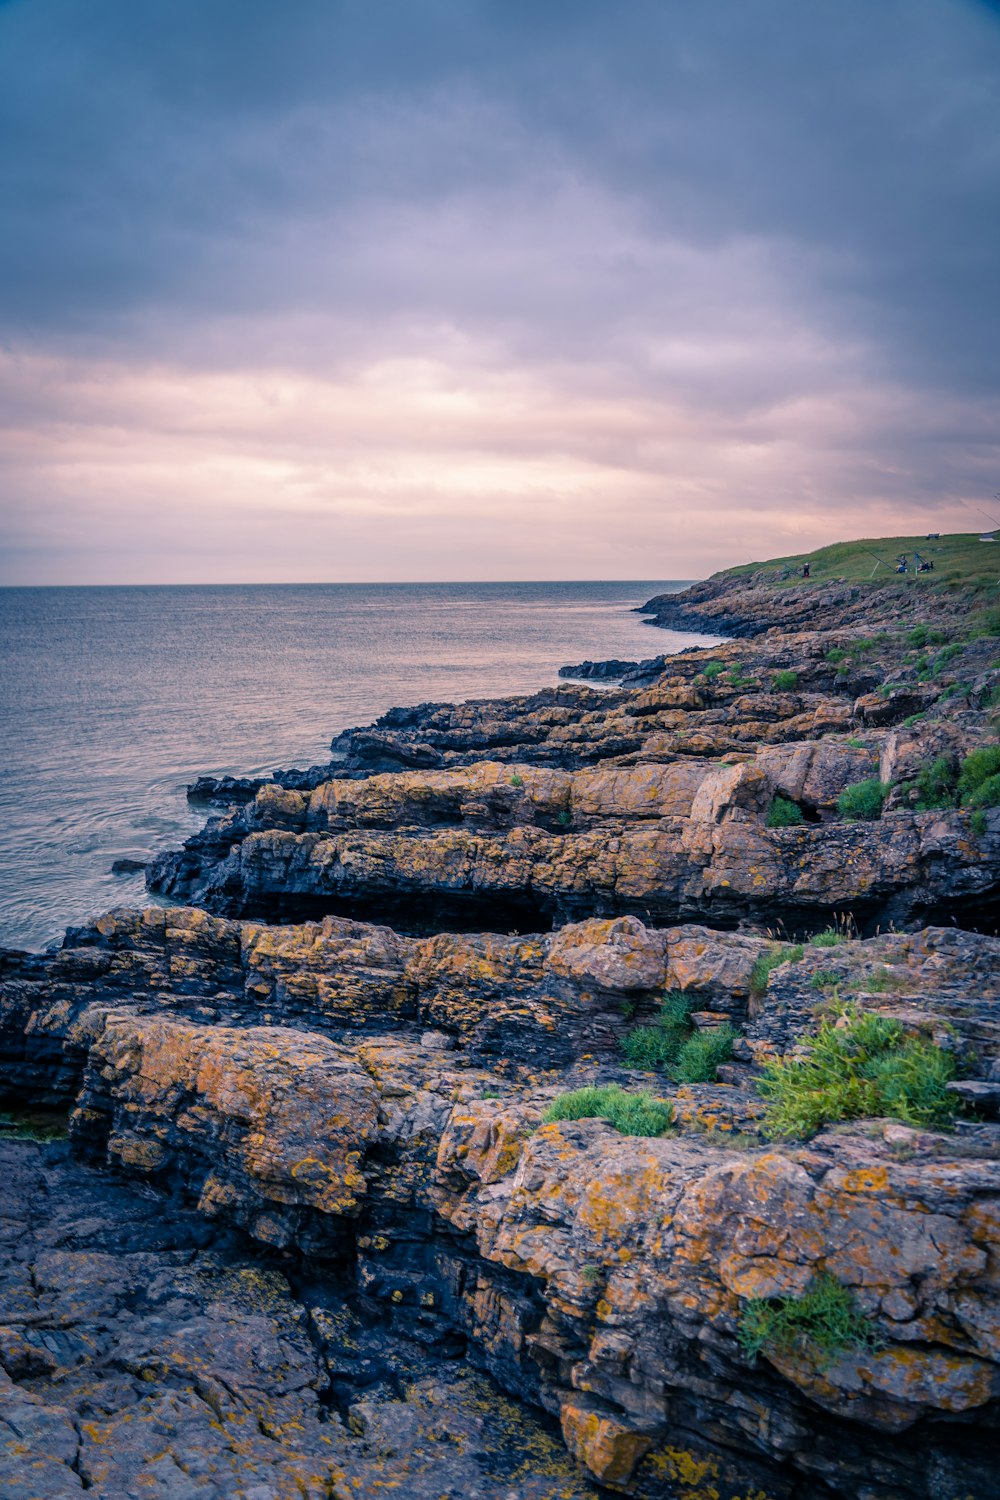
(353, 1108)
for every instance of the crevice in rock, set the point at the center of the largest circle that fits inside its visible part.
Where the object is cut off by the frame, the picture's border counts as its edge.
(415, 914)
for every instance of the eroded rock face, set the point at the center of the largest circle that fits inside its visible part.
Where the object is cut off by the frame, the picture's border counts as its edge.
(599, 1276)
(721, 863)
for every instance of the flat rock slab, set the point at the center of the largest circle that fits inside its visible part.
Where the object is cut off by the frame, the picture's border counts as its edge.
(144, 1355)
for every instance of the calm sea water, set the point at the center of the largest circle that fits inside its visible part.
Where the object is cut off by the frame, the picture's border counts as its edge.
(114, 699)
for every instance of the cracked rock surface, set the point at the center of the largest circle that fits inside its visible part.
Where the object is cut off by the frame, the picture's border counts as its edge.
(144, 1356)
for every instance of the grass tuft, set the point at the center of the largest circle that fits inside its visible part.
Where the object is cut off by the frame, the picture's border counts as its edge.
(824, 1322)
(700, 1056)
(772, 959)
(630, 1114)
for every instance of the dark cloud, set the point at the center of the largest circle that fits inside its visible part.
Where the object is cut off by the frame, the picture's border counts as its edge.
(732, 208)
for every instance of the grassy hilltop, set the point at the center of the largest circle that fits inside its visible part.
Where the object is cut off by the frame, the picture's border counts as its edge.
(959, 559)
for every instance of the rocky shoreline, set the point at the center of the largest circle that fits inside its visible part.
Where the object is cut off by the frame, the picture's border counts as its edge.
(341, 1221)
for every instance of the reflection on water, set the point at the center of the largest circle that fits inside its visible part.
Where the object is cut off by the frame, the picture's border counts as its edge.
(115, 698)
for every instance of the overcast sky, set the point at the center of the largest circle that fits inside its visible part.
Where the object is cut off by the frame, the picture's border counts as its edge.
(458, 289)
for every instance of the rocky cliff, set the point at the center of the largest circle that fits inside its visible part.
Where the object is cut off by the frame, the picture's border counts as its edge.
(349, 1202)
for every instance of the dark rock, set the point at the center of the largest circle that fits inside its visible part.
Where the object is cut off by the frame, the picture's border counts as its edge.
(145, 1351)
(599, 670)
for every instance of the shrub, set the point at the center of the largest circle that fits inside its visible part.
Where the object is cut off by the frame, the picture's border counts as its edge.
(735, 674)
(713, 669)
(978, 768)
(978, 825)
(935, 784)
(701, 1055)
(565, 818)
(630, 1114)
(917, 637)
(784, 814)
(657, 1046)
(862, 802)
(987, 794)
(860, 1066)
(835, 654)
(772, 959)
(785, 682)
(823, 1322)
(823, 979)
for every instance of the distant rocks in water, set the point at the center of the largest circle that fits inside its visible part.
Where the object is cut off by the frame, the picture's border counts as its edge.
(599, 670)
(629, 673)
(128, 866)
(227, 791)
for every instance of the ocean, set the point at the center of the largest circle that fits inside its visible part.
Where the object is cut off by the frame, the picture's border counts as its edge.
(114, 699)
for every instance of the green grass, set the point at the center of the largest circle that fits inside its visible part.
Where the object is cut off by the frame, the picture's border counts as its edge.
(824, 1322)
(785, 682)
(33, 1125)
(860, 1066)
(935, 784)
(830, 937)
(977, 769)
(517, 779)
(881, 980)
(713, 669)
(958, 557)
(784, 814)
(942, 783)
(862, 802)
(987, 794)
(825, 979)
(658, 1046)
(772, 959)
(630, 1114)
(671, 1046)
(700, 1056)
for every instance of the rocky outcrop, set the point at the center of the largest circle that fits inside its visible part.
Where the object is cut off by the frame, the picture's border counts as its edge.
(673, 842)
(333, 1070)
(747, 602)
(599, 1276)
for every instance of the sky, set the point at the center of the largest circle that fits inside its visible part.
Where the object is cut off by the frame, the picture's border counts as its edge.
(348, 290)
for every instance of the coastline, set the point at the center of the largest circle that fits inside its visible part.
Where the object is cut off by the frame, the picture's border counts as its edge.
(349, 1046)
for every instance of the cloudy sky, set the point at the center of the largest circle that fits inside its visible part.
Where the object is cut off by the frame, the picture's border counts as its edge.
(448, 289)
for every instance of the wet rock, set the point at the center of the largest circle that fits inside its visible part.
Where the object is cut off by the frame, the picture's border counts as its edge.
(150, 1355)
